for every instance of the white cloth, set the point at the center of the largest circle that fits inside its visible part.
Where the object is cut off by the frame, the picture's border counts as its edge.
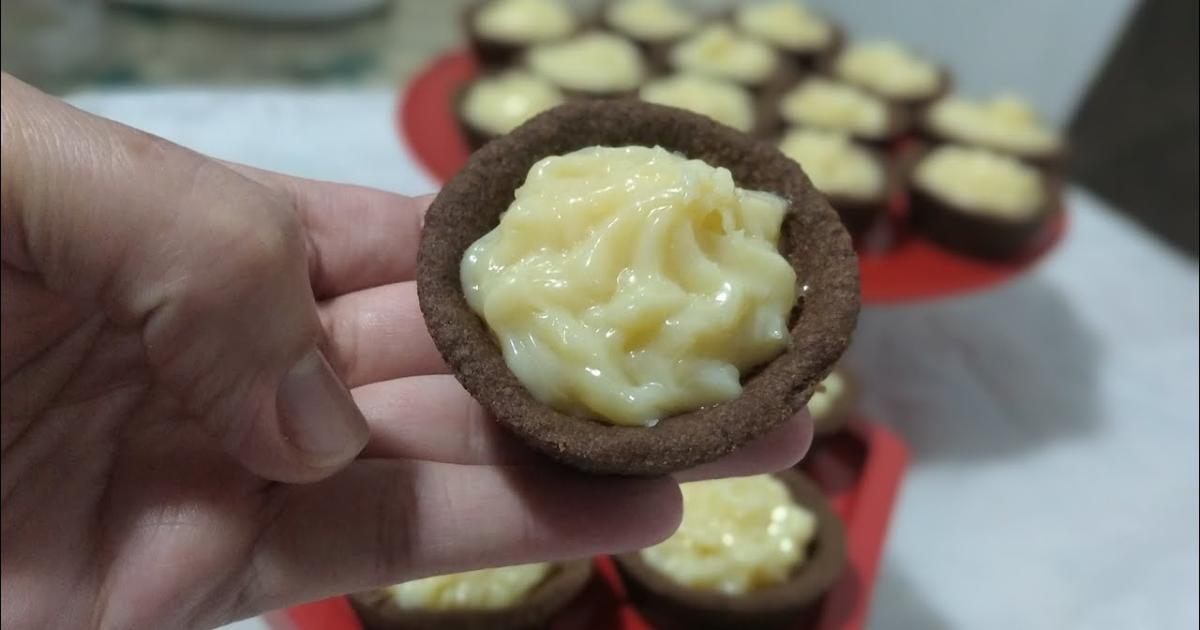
(1053, 421)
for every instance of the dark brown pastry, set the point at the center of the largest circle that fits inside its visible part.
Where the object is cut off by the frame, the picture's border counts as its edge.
(576, 93)
(669, 605)
(812, 239)
(1050, 160)
(474, 134)
(803, 59)
(378, 611)
(913, 106)
(782, 75)
(653, 47)
(977, 232)
(491, 52)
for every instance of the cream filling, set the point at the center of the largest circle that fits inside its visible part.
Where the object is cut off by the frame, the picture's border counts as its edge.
(980, 181)
(595, 62)
(830, 105)
(524, 21)
(1006, 123)
(737, 535)
(718, 51)
(651, 20)
(499, 104)
(722, 101)
(630, 284)
(487, 589)
(834, 163)
(785, 24)
(889, 69)
(822, 402)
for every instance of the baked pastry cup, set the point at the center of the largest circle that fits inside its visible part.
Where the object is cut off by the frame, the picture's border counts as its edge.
(591, 64)
(502, 46)
(494, 103)
(654, 25)
(1005, 124)
(838, 166)
(378, 610)
(825, 103)
(831, 409)
(806, 38)
(668, 605)
(975, 228)
(892, 71)
(812, 240)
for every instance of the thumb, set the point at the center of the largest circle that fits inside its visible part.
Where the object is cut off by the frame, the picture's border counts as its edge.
(210, 266)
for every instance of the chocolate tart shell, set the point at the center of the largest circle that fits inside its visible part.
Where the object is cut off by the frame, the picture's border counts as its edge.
(652, 48)
(812, 239)
(378, 611)
(669, 605)
(784, 73)
(861, 214)
(898, 125)
(474, 136)
(648, 72)
(805, 60)
(493, 53)
(913, 106)
(979, 233)
(1050, 161)
(841, 407)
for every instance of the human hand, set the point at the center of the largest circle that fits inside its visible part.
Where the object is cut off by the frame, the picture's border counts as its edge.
(219, 396)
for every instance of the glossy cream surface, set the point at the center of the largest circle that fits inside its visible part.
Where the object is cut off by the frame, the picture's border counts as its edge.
(724, 102)
(524, 21)
(981, 181)
(789, 25)
(719, 51)
(737, 535)
(486, 589)
(834, 163)
(889, 69)
(628, 284)
(595, 62)
(651, 20)
(1006, 123)
(499, 104)
(836, 106)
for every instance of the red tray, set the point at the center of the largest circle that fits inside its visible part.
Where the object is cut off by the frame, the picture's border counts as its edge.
(898, 267)
(860, 471)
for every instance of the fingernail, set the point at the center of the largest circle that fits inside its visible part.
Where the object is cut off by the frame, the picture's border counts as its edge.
(317, 415)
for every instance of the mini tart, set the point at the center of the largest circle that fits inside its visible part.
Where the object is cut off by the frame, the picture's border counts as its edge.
(668, 604)
(493, 51)
(725, 102)
(805, 46)
(894, 120)
(709, 52)
(654, 25)
(836, 410)
(378, 611)
(878, 85)
(533, 95)
(859, 212)
(987, 124)
(812, 239)
(593, 64)
(970, 229)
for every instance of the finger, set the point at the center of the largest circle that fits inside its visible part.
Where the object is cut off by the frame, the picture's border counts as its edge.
(208, 266)
(379, 334)
(433, 418)
(381, 522)
(360, 237)
(780, 448)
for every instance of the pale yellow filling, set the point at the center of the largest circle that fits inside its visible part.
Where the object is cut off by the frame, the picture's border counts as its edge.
(978, 180)
(499, 104)
(524, 21)
(722, 101)
(822, 402)
(737, 535)
(629, 284)
(718, 51)
(1006, 123)
(651, 20)
(487, 589)
(785, 24)
(831, 105)
(834, 163)
(596, 62)
(889, 69)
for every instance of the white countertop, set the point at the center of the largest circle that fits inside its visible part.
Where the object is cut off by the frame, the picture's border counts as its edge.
(1053, 421)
